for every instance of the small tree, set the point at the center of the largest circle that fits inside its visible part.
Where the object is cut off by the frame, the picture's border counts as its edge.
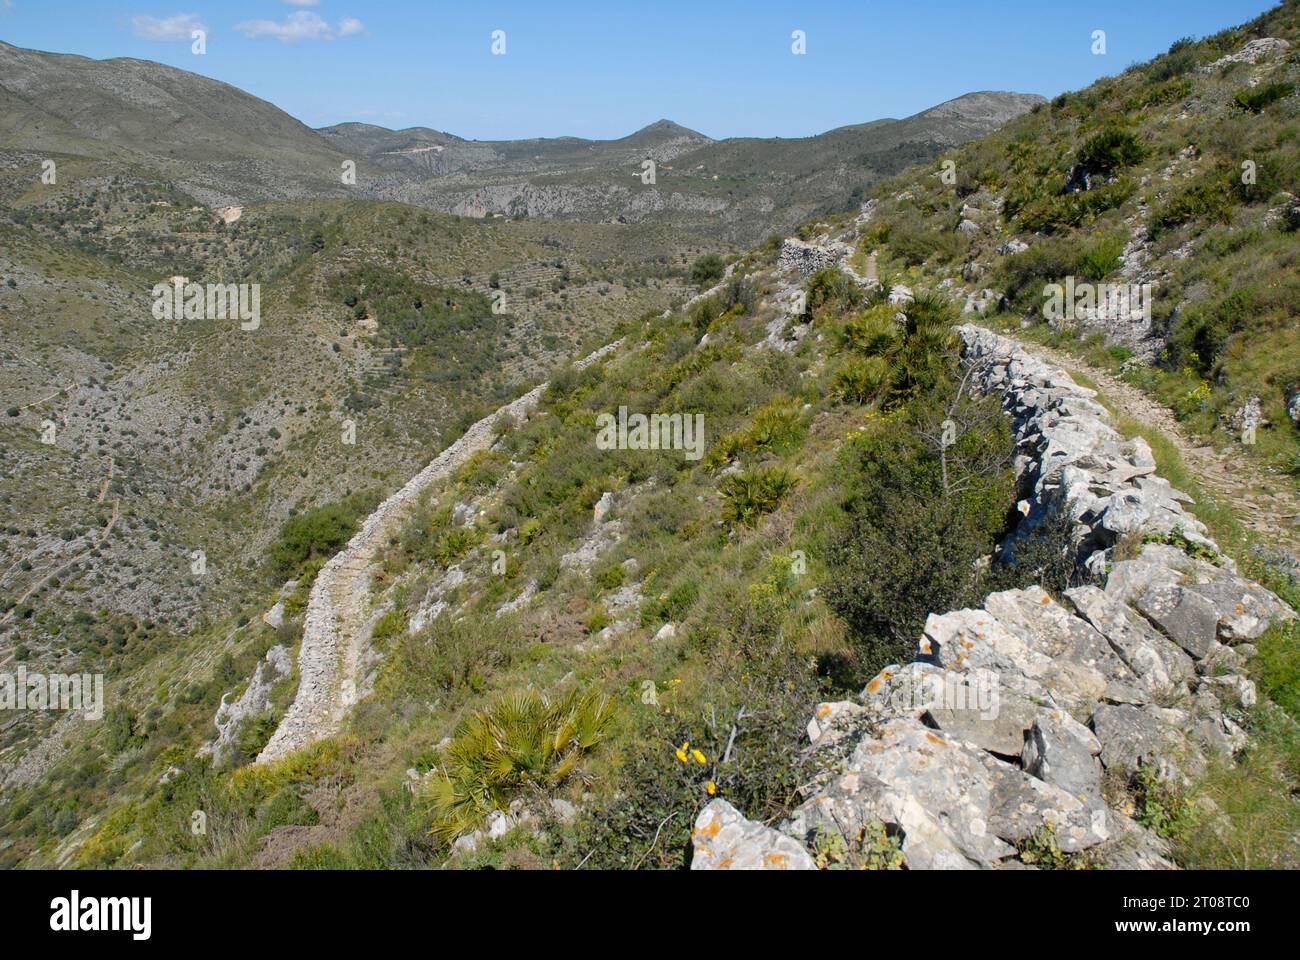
(707, 270)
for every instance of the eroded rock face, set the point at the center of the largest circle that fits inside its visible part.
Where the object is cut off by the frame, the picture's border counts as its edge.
(1000, 733)
(1263, 49)
(231, 716)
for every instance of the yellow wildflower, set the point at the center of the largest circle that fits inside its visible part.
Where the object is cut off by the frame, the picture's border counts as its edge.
(711, 787)
(699, 757)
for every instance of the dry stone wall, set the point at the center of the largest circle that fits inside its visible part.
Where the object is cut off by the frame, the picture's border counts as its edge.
(333, 636)
(997, 737)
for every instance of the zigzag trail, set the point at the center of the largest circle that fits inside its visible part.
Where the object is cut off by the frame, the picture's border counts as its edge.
(336, 632)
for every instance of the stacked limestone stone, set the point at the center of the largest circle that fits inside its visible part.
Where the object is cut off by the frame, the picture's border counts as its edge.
(999, 734)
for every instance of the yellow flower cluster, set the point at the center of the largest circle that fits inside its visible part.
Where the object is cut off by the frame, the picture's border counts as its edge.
(685, 754)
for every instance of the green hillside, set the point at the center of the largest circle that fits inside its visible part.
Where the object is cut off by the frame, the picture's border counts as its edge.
(569, 649)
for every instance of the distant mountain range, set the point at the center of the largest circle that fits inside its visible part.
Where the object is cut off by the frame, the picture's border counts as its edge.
(225, 146)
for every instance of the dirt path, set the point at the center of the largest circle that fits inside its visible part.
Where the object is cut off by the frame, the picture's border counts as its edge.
(335, 632)
(1263, 500)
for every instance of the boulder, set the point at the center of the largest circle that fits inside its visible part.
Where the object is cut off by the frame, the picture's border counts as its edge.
(955, 805)
(1160, 665)
(1133, 736)
(1083, 667)
(725, 840)
(1063, 752)
(1187, 618)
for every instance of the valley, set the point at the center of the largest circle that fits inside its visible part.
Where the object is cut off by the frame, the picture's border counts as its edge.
(368, 591)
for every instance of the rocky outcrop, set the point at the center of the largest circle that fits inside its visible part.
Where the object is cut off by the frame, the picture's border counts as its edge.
(996, 741)
(804, 259)
(1263, 49)
(724, 840)
(329, 660)
(231, 716)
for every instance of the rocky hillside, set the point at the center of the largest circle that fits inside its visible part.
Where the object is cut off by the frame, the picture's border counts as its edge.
(742, 189)
(840, 562)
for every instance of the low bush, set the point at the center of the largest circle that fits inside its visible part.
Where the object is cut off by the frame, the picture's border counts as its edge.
(521, 741)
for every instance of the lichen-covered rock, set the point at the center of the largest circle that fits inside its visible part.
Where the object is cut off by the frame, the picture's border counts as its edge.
(1187, 618)
(1063, 752)
(1159, 665)
(1133, 736)
(833, 721)
(725, 840)
(955, 805)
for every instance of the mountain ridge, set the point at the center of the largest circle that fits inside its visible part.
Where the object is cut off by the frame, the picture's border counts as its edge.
(229, 147)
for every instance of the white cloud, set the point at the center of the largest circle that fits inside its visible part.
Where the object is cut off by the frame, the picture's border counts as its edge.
(167, 29)
(299, 25)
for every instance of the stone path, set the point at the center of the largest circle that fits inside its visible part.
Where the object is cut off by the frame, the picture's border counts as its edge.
(335, 631)
(1262, 499)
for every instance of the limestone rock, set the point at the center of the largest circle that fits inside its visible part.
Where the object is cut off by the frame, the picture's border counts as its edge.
(955, 805)
(1187, 618)
(1132, 736)
(1160, 665)
(725, 840)
(833, 721)
(1063, 752)
(603, 506)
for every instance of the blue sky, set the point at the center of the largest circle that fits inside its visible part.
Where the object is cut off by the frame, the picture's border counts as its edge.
(605, 69)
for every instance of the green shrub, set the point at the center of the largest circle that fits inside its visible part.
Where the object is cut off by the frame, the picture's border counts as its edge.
(1101, 259)
(830, 289)
(391, 624)
(1210, 197)
(742, 718)
(1258, 99)
(611, 577)
(908, 541)
(319, 533)
(748, 495)
(520, 741)
(707, 270)
(775, 426)
(1052, 212)
(1109, 151)
(863, 379)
